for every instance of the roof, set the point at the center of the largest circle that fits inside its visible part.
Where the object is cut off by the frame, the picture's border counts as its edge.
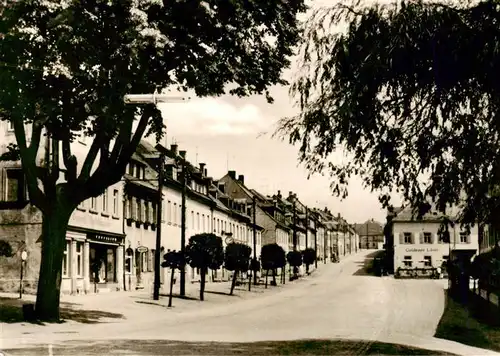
(407, 214)
(369, 228)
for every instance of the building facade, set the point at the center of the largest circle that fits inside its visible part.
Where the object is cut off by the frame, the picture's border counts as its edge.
(420, 244)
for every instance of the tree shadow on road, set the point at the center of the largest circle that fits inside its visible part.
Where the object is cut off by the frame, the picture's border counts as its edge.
(11, 311)
(367, 267)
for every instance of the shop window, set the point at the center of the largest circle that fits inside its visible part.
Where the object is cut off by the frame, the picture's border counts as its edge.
(407, 261)
(65, 269)
(79, 259)
(427, 261)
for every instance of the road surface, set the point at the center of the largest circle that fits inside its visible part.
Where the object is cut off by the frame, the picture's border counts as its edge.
(339, 301)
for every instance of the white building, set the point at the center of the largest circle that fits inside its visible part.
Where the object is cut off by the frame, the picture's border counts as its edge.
(418, 243)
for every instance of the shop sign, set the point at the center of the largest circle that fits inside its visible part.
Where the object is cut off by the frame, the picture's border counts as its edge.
(104, 238)
(422, 250)
(142, 249)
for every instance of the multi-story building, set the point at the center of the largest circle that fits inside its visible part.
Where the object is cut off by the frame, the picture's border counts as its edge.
(268, 214)
(93, 256)
(418, 243)
(371, 234)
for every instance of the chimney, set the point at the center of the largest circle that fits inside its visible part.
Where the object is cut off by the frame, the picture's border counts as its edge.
(182, 154)
(206, 174)
(290, 194)
(232, 174)
(241, 179)
(173, 148)
(202, 168)
(279, 194)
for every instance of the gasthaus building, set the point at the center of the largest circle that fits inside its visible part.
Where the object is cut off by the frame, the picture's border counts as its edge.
(419, 248)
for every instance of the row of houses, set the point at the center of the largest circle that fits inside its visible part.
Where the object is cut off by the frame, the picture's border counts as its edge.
(110, 243)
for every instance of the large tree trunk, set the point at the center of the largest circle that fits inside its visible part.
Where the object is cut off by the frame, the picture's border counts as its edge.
(202, 283)
(274, 277)
(267, 275)
(54, 227)
(233, 282)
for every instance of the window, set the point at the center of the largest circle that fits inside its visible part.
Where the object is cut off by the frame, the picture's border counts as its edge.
(93, 203)
(407, 238)
(65, 260)
(14, 186)
(105, 201)
(464, 238)
(427, 261)
(407, 262)
(115, 202)
(79, 260)
(147, 214)
(427, 238)
(131, 169)
(151, 261)
(215, 225)
(82, 205)
(145, 261)
(139, 210)
(154, 212)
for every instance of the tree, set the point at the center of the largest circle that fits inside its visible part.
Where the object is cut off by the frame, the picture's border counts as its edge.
(272, 257)
(204, 251)
(308, 257)
(400, 91)
(62, 83)
(294, 259)
(237, 259)
(173, 260)
(254, 267)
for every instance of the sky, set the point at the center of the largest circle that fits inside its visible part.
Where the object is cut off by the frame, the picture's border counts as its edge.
(229, 133)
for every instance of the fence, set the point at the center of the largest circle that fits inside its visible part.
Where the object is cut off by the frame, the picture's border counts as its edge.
(424, 273)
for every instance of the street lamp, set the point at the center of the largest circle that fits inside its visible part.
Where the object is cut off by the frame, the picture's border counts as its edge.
(154, 99)
(24, 257)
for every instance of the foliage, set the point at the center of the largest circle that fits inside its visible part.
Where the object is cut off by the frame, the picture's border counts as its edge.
(308, 256)
(294, 258)
(237, 257)
(173, 260)
(5, 249)
(205, 251)
(254, 265)
(272, 256)
(400, 91)
(66, 66)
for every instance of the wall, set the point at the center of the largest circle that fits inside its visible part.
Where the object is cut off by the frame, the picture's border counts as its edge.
(437, 251)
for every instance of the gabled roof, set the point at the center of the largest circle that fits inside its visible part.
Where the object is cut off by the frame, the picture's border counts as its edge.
(407, 214)
(369, 228)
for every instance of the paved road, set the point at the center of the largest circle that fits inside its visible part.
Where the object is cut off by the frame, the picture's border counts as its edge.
(339, 301)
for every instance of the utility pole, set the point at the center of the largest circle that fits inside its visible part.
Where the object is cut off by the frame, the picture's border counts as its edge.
(294, 226)
(315, 244)
(182, 290)
(307, 227)
(254, 218)
(156, 289)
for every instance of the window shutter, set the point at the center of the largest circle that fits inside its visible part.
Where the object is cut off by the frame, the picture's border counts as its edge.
(468, 238)
(421, 236)
(401, 238)
(432, 238)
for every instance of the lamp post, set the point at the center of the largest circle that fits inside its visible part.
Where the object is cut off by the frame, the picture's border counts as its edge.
(254, 223)
(155, 99)
(24, 256)
(182, 290)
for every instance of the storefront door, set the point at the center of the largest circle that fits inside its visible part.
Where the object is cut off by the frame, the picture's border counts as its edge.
(102, 263)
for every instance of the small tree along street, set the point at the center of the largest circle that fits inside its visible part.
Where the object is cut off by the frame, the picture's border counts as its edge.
(204, 251)
(406, 89)
(272, 257)
(173, 260)
(66, 66)
(294, 259)
(308, 257)
(237, 259)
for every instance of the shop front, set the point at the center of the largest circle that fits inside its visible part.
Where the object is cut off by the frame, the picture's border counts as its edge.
(106, 260)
